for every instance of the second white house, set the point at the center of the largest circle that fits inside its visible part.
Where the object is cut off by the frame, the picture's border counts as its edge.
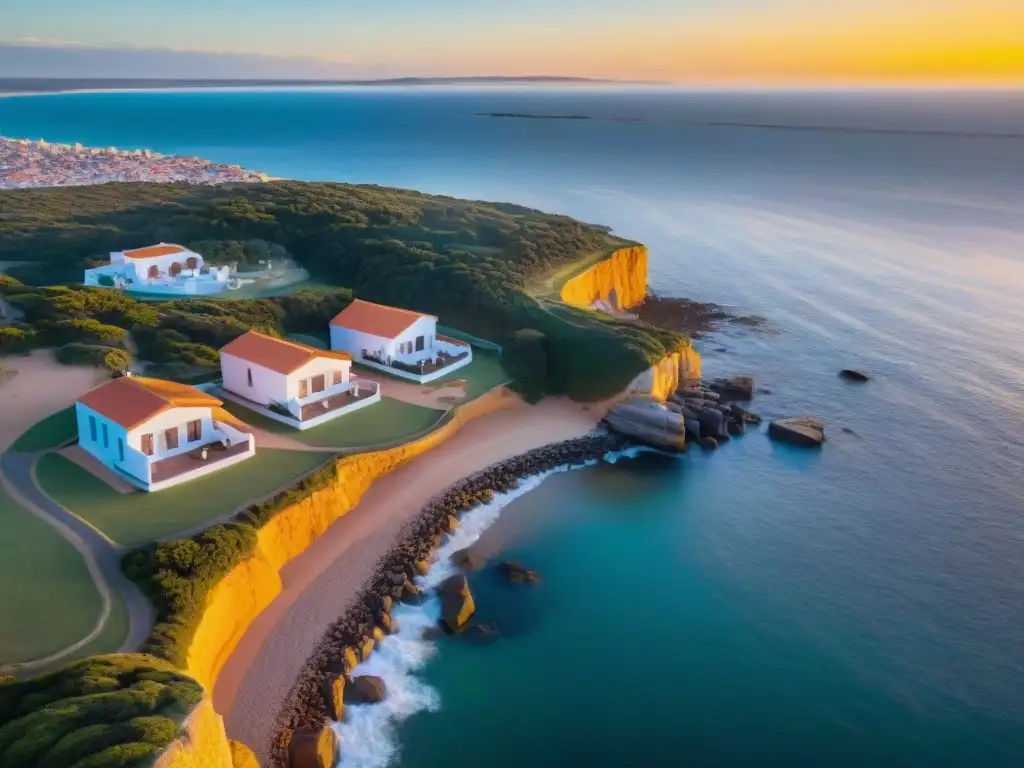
(164, 269)
(292, 383)
(399, 341)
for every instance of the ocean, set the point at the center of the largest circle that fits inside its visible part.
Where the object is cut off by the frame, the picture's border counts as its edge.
(759, 605)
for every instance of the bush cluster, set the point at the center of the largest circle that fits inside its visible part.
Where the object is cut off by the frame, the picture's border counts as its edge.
(112, 358)
(114, 711)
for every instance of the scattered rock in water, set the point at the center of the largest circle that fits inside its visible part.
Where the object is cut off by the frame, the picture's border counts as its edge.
(422, 567)
(350, 659)
(366, 647)
(466, 559)
(365, 689)
(647, 420)
(708, 443)
(313, 748)
(737, 428)
(388, 624)
(854, 374)
(457, 604)
(722, 349)
(739, 387)
(805, 431)
(517, 573)
(377, 634)
(451, 523)
(482, 634)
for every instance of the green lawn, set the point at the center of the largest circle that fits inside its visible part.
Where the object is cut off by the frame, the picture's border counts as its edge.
(52, 431)
(381, 423)
(135, 518)
(483, 374)
(48, 599)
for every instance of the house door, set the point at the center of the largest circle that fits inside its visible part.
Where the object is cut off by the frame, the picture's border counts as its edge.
(303, 388)
(175, 269)
(192, 262)
(318, 383)
(419, 343)
(154, 271)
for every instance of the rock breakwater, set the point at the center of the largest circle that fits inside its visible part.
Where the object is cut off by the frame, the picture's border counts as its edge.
(311, 704)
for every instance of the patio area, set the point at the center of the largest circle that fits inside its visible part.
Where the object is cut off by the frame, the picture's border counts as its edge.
(337, 402)
(185, 463)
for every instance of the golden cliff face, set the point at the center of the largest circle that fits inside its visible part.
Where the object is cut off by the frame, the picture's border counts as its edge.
(620, 280)
(664, 377)
(252, 585)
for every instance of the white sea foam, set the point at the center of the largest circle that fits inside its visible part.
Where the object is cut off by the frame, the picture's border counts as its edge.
(368, 736)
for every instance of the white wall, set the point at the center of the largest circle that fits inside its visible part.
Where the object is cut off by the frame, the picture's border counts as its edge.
(140, 267)
(267, 386)
(354, 342)
(175, 417)
(315, 367)
(107, 452)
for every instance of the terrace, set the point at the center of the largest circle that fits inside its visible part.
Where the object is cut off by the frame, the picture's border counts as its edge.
(203, 457)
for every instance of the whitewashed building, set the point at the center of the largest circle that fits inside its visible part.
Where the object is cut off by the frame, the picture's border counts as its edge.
(292, 383)
(402, 342)
(164, 269)
(158, 433)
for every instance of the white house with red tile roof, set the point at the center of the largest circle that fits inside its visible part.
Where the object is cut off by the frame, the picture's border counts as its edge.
(402, 342)
(157, 433)
(164, 268)
(292, 383)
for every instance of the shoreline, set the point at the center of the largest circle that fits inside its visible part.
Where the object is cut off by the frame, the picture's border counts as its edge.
(329, 578)
(435, 530)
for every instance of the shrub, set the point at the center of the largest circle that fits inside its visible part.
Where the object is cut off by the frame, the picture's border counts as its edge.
(105, 712)
(106, 281)
(111, 358)
(14, 340)
(87, 331)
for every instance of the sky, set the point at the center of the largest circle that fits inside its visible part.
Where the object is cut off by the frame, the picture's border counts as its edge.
(961, 42)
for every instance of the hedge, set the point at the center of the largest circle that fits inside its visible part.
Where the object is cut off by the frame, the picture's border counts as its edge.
(115, 711)
(111, 358)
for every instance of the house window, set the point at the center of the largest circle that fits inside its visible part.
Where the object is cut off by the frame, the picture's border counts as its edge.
(336, 377)
(154, 271)
(120, 449)
(419, 343)
(92, 428)
(171, 438)
(195, 430)
(303, 388)
(248, 375)
(106, 437)
(319, 383)
(147, 444)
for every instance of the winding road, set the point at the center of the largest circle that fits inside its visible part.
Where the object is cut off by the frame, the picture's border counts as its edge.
(102, 558)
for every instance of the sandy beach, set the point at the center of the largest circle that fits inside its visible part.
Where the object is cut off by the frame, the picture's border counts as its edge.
(324, 582)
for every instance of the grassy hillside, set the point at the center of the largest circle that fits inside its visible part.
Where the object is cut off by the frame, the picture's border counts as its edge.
(467, 262)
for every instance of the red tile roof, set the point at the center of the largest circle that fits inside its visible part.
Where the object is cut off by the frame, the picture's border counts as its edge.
(377, 319)
(132, 400)
(164, 249)
(276, 354)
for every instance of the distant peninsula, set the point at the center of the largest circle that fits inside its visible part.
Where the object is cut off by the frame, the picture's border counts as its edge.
(28, 85)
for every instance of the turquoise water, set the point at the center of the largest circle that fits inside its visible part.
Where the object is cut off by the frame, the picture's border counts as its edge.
(859, 605)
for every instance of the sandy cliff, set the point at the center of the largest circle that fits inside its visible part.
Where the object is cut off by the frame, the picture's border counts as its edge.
(252, 585)
(664, 377)
(620, 281)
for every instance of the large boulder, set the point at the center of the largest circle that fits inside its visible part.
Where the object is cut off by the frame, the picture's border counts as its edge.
(805, 431)
(466, 559)
(334, 695)
(740, 387)
(457, 604)
(411, 594)
(365, 689)
(648, 421)
(712, 422)
(313, 748)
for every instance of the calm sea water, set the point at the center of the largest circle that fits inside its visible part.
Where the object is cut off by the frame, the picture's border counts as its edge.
(760, 605)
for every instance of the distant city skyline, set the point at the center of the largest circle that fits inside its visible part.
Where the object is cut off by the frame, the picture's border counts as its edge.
(960, 42)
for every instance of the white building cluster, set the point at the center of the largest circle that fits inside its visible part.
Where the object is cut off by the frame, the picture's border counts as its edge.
(25, 164)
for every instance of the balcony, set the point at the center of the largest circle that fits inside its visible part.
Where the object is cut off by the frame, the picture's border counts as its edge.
(353, 393)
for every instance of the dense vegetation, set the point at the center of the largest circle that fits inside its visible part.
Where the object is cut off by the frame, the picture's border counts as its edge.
(102, 712)
(467, 262)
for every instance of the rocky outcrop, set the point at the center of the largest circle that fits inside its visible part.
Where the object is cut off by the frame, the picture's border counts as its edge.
(648, 421)
(740, 387)
(517, 573)
(365, 689)
(679, 369)
(620, 281)
(805, 431)
(457, 606)
(313, 748)
(467, 559)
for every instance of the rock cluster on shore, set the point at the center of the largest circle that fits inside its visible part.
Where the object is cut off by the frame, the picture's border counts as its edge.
(706, 415)
(325, 685)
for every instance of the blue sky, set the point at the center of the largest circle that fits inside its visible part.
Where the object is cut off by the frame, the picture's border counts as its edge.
(650, 39)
